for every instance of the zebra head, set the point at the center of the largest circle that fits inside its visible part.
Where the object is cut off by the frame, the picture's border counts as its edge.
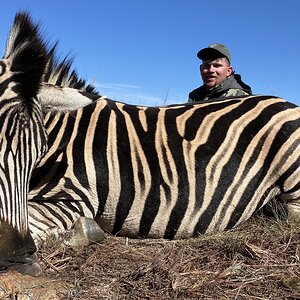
(23, 139)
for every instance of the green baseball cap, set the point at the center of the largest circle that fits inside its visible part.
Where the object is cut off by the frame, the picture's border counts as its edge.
(214, 50)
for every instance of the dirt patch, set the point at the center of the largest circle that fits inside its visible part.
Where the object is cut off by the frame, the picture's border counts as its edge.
(23, 287)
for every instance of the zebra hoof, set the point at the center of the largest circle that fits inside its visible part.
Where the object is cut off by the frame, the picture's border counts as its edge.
(33, 269)
(85, 231)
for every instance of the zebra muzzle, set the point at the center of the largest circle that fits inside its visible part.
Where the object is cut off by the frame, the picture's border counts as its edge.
(30, 266)
(17, 251)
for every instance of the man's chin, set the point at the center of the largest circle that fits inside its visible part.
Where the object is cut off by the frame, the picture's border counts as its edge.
(210, 84)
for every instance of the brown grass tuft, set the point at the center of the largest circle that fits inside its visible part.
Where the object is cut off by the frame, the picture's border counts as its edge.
(259, 260)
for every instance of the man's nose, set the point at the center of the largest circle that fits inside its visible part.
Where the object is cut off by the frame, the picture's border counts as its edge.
(211, 68)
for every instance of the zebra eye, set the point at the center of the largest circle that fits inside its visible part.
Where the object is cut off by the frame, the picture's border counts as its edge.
(2, 68)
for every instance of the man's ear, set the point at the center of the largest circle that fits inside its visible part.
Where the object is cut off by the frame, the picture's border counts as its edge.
(229, 71)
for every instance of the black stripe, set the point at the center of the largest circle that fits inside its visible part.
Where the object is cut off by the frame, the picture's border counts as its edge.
(100, 158)
(175, 142)
(79, 168)
(124, 158)
(147, 140)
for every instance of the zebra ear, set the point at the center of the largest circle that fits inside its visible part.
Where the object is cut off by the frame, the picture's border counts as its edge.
(27, 55)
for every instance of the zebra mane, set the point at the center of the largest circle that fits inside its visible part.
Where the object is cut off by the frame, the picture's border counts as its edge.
(60, 73)
(24, 43)
(27, 52)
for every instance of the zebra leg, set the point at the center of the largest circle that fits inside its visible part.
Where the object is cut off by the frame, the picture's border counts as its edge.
(291, 203)
(293, 208)
(84, 232)
(72, 223)
(275, 208)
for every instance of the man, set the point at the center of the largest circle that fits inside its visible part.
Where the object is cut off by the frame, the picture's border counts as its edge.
(219, 80)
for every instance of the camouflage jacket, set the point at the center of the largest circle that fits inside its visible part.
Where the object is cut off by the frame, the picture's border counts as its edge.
(232, 86)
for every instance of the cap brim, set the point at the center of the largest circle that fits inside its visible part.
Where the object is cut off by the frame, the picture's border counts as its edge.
(210, 53)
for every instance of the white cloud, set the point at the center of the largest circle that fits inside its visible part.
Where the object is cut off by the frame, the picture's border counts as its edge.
(132, 94)
(116, 86)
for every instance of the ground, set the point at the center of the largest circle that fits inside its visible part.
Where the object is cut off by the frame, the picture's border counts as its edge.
(258, 260)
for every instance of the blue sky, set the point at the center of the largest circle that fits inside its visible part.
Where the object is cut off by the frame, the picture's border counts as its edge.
(144, 52)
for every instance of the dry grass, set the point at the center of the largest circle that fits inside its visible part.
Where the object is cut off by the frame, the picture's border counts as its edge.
(259, 260)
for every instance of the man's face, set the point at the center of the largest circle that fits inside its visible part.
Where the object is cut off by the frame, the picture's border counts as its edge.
(214, 72)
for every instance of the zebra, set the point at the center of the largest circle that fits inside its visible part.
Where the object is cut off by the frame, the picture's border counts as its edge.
(23, 140)
(159, 172)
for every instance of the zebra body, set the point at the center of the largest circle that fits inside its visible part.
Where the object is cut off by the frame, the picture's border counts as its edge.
(171, 172)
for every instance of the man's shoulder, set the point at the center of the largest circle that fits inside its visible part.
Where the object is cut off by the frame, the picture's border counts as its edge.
(235, 92)
(197, 94)
(199, 90)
